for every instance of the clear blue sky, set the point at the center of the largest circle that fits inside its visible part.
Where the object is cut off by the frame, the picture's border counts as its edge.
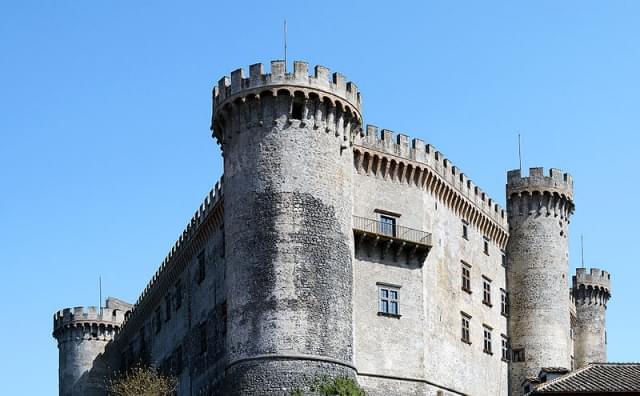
(105, 148)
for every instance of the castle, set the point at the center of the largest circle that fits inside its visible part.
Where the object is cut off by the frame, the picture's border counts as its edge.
(330, 248)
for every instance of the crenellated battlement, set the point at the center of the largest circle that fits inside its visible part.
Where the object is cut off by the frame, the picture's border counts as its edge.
(237, 85)
(284, 100)
(75, 315)
(113, 313)
(417, 162)
(591, 287)
(594, 278)
(538, 194)
(557, 182)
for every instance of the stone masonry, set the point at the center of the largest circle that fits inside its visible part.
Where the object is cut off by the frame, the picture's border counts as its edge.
(538, 266)
(83, 334)
(592, 292)
(333, 249)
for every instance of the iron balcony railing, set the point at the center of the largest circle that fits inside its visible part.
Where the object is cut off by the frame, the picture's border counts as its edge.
(391, 230)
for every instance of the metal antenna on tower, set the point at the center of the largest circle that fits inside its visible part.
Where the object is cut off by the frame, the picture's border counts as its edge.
(582, 249)
(285, 44)
(100, 288)
(519, 153)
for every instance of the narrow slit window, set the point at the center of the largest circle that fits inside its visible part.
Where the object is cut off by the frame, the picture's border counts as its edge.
(203, 338)
(201, 267)
(167, 306)
(178, 295)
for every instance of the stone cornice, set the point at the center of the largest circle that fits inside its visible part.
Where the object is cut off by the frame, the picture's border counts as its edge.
(395, 161)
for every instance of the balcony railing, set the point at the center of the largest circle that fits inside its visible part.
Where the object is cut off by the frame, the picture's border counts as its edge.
(391, 231)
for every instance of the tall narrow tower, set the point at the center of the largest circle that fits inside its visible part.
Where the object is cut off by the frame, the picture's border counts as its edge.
(82, 335)
(286, 141)
(539, 208)
(591, 291)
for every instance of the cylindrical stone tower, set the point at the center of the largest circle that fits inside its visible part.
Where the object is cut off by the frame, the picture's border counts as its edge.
(539, 208)
(286, 141)
(591, 291)
(82, 335)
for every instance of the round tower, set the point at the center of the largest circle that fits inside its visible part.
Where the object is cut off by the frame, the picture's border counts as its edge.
(539, 208)
(82, 335)
(591, 291)
(286, 141)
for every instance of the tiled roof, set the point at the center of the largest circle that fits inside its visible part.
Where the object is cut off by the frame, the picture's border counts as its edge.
(560, 370)
(596, 377)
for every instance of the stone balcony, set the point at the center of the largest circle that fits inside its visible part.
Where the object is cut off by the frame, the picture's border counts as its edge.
(391, 240)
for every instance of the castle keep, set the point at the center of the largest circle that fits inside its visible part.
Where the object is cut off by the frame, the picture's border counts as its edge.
(331, 248)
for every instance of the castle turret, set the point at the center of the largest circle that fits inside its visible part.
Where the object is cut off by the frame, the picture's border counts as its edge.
(82, 334)
(591, 291)
(539, 208)
(286, 141)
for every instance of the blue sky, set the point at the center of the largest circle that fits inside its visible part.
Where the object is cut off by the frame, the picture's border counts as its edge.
(105, 147)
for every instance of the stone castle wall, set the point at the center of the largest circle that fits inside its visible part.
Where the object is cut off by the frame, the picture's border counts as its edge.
(423, 347)
(267, 287)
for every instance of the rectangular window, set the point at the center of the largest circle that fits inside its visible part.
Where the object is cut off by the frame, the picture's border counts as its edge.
(465, 328)
(387, 225)
(487, 339)
(178, 295)
(201, 267)
(518, 355)
(486, 246)
(158, 320)
(504, 303)
(465, 230)
(203, 338)
(504, 259)
(167, 307)
(486, 291)
(505, 348)
(466, 277)
(388, 300)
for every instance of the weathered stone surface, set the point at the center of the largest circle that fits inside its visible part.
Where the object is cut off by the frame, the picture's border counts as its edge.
(539, 208)
(591, 291)
(83, 334)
